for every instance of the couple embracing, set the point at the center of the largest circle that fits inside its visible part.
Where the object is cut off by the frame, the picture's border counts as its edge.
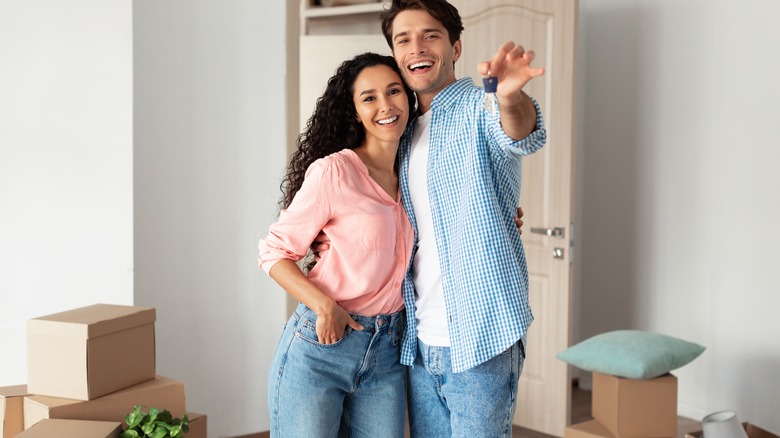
(420, 295)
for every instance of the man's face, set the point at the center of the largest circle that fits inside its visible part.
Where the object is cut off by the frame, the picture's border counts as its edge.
(422, 49)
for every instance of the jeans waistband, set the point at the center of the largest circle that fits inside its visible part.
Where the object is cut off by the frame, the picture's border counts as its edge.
(389, 320)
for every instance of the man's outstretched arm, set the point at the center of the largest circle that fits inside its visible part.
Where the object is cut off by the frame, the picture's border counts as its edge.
(512, 66)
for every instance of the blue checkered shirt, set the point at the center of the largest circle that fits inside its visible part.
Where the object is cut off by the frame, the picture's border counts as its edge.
(474, 186)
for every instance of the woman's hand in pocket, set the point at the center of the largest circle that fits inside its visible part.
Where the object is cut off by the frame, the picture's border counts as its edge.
(332, 323)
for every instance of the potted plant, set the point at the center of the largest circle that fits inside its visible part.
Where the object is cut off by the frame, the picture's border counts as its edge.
(154, 424)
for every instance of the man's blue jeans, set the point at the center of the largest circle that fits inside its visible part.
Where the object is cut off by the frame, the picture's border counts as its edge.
(356, 383)
(475, 403)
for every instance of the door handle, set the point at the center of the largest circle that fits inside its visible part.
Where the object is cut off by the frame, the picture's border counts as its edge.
(552, 232)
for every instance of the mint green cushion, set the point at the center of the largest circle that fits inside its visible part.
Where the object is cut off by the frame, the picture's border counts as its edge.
(632, 354)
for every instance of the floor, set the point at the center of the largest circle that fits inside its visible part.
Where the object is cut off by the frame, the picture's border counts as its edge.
(580, 411)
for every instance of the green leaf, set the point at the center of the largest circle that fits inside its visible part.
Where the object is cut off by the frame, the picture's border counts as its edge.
(134, 418)
(156, 424)
(153, 414)
(166, 416)
(159, 433)
(164, 425)
(148, 428)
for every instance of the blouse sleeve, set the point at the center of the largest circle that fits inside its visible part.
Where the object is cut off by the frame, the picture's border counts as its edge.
(292, 234)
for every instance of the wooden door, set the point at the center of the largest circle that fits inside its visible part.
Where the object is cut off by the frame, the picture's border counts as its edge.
(547, 27)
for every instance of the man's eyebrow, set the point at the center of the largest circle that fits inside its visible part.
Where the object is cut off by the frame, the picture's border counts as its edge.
(400, 34)
(431, 30)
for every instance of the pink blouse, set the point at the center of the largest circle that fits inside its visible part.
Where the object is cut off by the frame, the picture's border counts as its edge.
(370, 235)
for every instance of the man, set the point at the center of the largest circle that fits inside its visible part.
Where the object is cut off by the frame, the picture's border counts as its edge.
(466, 293)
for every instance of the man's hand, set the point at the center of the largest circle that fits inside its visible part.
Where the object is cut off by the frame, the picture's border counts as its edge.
(519, 220)
(321, 244)
(512, 66)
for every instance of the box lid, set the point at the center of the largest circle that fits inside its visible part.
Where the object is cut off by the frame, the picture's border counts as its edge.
(13, 391)
(198, 424)
(587, 429)
(49, 402)
(192, 416)
(73, 428)
(160, 392)
(92, 321)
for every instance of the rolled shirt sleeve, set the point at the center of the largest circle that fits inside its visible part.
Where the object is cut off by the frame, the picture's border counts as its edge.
(298, 225)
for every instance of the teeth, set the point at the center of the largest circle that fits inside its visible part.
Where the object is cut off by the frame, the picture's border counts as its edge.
(420, 65)
(387, 121)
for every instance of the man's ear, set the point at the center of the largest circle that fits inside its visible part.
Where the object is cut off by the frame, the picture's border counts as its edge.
(458, 48)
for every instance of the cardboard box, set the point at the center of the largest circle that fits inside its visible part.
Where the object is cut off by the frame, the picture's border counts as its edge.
(160, 392)
(12, 410)
(265, 434)
(73, 428)
(587, 429)
(630, 408)
(198, 424)
(752, 430)
(85, 353)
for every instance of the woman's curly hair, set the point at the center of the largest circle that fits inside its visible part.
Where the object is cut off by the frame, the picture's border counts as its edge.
(334, 124)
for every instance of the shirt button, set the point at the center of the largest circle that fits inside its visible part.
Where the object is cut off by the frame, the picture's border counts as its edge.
(397, 285)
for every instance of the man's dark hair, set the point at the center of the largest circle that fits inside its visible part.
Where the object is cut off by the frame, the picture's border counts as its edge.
(443, 12)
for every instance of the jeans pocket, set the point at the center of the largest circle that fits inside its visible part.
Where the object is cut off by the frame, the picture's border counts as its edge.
(522, 349)
(307, 331)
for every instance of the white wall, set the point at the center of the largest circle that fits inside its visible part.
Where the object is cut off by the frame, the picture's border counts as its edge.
(66, 195)
(209, 155)
(680, 205)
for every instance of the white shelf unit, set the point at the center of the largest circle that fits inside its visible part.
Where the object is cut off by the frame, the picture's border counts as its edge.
(323, 11)
(337, 20)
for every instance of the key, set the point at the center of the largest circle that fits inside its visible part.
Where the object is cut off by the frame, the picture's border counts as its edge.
(491, 84)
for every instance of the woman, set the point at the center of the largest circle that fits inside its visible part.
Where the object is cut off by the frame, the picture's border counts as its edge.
(338, 360)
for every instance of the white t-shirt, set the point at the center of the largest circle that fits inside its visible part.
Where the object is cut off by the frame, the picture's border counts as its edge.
(430, 310)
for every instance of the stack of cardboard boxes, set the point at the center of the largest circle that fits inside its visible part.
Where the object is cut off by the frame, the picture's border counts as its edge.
(87, 368)
(630, 408)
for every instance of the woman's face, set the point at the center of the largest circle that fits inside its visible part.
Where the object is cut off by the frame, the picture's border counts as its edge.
(381, 103)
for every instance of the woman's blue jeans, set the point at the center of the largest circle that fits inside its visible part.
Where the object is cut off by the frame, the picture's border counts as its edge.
(356, 384)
